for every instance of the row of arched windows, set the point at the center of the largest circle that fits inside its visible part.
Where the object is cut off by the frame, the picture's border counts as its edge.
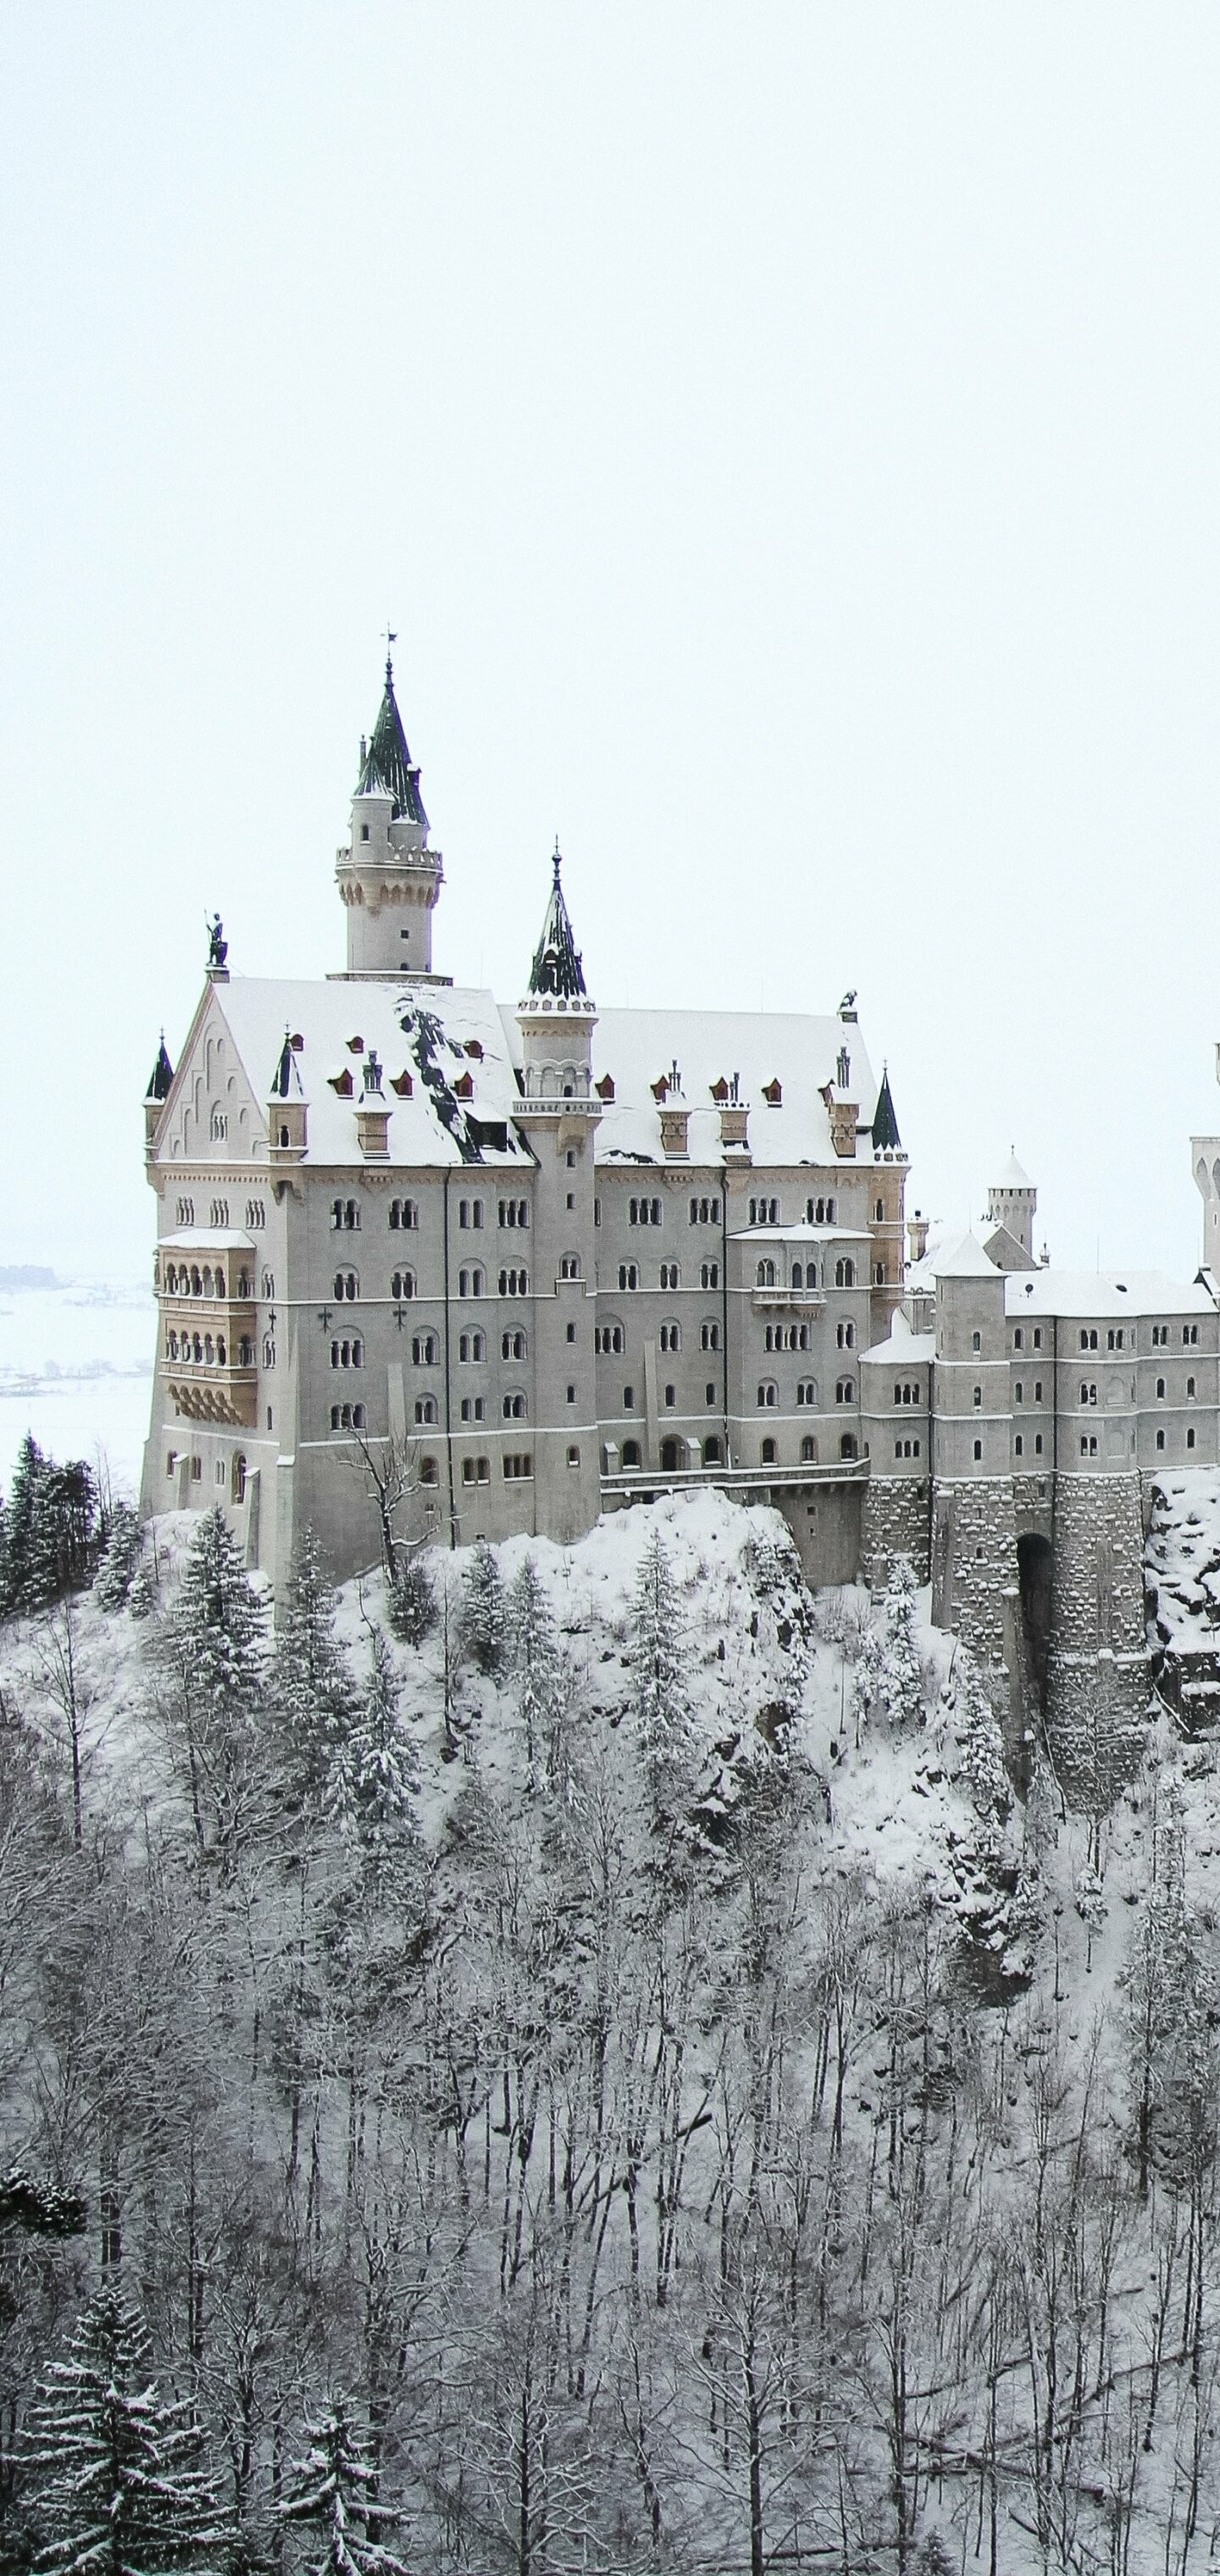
(187, 1279)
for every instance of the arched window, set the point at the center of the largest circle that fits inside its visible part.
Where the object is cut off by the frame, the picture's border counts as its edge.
(425, 1408)
(976, 1343)
(268, 1286)
(669, 1457)
(709, 1274)
(847, 1445)
(345, 1286)
(764, 1276)
(978, 1448)
(845, 1271)
(1190, 1437)
(512, 1345)
(631, 1453)
(845, 1391)
(470, 1283)
(428, 1473)
(978, 1399)
(671, 1338)
(807, 1392)
(711, 1453)
(1160, 1390)
(425, 1350)
(209, 1351)
(846, 1337)
(569, 1265)
(628, 1274)
(402, 1285)
(472, 1346)
(767, 1453)
(1160, 1439)
(513, 1406)
(879, 1211)
(768, 1393)
(809, 1450)
(606, 1338)
(797, 1275)
(670, 1277)
(709, 1335)
(404, 1216)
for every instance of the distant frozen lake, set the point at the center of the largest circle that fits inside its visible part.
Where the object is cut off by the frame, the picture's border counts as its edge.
(76, 1370)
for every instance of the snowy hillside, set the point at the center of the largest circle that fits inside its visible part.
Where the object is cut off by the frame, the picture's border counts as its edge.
(632, 2042)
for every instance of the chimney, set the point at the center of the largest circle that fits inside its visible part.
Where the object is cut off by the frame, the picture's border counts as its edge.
(917, 1236)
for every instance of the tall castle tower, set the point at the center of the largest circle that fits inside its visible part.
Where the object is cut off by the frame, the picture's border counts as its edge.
(388, 877)
(558, 1116)
(1011, 1203)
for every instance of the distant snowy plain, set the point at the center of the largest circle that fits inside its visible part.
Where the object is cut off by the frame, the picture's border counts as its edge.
(76, 1370)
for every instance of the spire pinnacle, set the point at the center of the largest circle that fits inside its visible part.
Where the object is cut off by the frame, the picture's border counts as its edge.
(557, 966)
(386, 767)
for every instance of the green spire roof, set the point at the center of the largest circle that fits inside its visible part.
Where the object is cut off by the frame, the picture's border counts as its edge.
(885, 1125)
(161, 1076)
(557, 967)
(387, 767)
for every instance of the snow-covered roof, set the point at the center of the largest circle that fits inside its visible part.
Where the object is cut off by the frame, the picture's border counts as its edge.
(1095, 1293)
(965, 1259)
(1012, 1177)
(901, 1344)
(762, 1048)
(438, 1035)
(206, 1238)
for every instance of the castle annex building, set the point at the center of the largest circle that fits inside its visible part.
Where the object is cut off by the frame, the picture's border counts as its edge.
(557, 1253)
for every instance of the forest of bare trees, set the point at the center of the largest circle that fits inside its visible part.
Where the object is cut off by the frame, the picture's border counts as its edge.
(461, 2117)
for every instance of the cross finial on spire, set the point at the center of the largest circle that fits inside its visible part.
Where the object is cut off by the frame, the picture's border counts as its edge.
(556, 861)
(391, 637)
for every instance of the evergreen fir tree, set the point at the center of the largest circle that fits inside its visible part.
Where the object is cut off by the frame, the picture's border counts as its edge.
(117, 1570)
(412, 1599)
(982, 1748)
(118, 2474)
(900, 1673)
(334, 2488)
(310, 1686)
(49, 1529)
(483, 1620)
(1171, 2010)
(538, 1670)
(661, 1705)
(212, 1646)
(373, 1784)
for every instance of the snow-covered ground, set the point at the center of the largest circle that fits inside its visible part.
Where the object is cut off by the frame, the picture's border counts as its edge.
(76, 1370)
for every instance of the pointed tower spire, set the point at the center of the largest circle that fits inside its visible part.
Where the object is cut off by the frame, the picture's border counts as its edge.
(557, 967)
(886, 1138)
(387, 768)
(161, 1076)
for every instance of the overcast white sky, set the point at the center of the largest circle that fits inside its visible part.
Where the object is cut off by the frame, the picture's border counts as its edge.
(785, 438)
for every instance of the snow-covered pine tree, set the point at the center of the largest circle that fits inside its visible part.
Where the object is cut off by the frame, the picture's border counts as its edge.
(660, 1701)
(483, 1620)
(119, 2478)
(212, 1647)
(1170, 1990)
(412, 1599)
(49, 1527)
(310, 1689)
(900, 1674)
(373, 1784)
(334, 2489)
(982, 1747)
(116, 1572)
(538, 1671)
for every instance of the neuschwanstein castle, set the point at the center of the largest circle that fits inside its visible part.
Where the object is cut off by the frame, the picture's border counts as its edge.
(569, 1258)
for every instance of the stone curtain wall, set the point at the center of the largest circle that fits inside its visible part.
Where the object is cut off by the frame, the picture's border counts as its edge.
(1097, 1679)
(894, 1523)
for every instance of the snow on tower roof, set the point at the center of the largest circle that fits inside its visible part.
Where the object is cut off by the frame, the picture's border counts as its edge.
(1012, 1177)
(901, 1344)
(966, 1259)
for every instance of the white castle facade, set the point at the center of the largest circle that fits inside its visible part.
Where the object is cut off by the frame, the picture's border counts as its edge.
(563, 1258)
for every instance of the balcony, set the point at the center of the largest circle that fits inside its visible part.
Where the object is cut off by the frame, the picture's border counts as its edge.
(787, 1301)
(209, 1356)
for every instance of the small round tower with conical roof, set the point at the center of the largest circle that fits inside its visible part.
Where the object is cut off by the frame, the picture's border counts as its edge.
(388, 877)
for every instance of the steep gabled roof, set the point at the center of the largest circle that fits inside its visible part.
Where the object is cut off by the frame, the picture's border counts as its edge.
(387, 767)
(286, 1083)
(885, 1125)
(557, 967)
(966, 1260)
